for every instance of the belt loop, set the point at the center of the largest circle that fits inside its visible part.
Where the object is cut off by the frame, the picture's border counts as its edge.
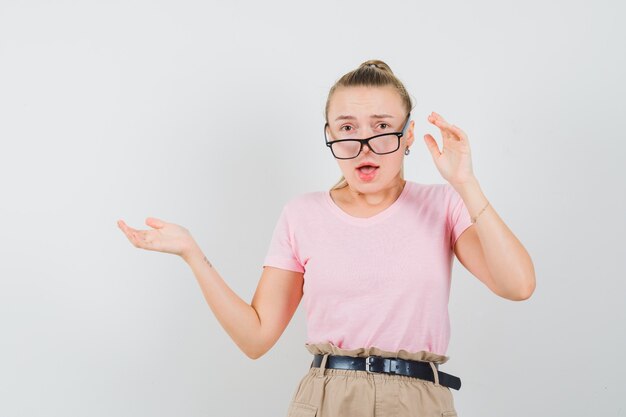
(322, 369)
(435, 373)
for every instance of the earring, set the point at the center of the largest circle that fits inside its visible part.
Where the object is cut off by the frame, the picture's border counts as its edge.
(407, 151)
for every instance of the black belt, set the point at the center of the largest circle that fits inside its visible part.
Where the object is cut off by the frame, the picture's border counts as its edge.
(397, 366)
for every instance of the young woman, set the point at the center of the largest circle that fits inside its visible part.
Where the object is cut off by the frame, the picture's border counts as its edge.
(372, 259)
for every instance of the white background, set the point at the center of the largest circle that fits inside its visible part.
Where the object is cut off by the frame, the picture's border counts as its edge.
(210, 115)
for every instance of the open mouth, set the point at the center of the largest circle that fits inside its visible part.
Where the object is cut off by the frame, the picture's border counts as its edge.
(367, 169)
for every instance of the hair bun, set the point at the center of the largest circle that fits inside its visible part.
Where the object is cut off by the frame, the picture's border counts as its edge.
(378, 64)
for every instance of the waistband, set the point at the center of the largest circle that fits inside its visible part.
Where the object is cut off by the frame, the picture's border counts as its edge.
(376, 364)
(330, 348)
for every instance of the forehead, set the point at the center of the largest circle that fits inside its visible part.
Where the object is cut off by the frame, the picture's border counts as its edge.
(362, 101)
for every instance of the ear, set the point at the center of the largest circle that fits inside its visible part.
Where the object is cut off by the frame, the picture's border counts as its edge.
(410, 136)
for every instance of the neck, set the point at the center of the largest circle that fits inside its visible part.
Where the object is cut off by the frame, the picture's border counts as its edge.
(374, 199)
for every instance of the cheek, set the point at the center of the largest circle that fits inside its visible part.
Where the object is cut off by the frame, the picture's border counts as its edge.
(390, 166)
(346, 167)
(392, 161)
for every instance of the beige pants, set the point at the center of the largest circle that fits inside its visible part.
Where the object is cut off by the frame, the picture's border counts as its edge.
(324, 392)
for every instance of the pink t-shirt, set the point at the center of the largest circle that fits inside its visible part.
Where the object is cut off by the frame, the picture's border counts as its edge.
(381, 281)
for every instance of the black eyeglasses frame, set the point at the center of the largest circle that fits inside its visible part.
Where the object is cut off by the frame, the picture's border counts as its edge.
(366, 141)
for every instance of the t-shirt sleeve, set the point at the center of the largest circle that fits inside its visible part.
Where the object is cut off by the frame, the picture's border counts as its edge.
(281, 252)
(458, 217)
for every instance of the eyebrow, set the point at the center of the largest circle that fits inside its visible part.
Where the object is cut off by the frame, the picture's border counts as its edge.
(373, 116)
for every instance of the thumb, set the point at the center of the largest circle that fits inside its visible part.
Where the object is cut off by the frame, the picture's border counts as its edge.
(154, 222)
(431, 143)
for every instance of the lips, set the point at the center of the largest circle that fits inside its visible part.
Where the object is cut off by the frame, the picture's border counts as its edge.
(362, 164)
(367, 172)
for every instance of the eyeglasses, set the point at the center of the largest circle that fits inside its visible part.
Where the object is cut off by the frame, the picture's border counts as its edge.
(379, 144)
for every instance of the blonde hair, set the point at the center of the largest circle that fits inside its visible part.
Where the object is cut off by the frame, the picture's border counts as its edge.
(371, 73)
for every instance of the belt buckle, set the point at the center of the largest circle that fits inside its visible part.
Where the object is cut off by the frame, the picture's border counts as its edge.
(388, 365)
(367, 364)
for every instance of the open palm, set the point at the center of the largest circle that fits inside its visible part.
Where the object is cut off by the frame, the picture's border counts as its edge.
(165, 237)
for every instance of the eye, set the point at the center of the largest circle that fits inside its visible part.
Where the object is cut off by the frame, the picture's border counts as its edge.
(385, 124)
(346, 127)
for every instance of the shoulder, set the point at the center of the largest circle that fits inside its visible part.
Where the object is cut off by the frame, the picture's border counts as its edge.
(437, 199)
(304, 206)
(302, 200)
(430, 192)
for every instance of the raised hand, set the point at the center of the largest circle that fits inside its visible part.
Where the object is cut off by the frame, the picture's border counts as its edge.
(454, 162)
(166, 237)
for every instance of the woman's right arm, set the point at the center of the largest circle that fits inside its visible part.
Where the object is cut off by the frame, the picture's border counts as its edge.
(254, 327)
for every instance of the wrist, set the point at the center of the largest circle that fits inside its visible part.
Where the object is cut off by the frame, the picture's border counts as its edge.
(469, 184)
(192, 251)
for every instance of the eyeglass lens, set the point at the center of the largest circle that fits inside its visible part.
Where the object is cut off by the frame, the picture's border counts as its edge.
(381, 145)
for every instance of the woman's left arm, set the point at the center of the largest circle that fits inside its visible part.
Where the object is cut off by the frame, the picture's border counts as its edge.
(488, 248)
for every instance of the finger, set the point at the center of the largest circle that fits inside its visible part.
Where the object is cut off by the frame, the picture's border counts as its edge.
(154, 222)
(460, 133)
(440, 122)
(448, 130)
(444, 126)
(134, 236)
(431, 143)
(135, 239)
(125, 228)
(437, 119)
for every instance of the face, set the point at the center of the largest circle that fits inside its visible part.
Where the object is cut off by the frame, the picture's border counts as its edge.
(361, 112)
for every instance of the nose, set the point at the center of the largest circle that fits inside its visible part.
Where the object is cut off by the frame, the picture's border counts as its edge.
(364, 147)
